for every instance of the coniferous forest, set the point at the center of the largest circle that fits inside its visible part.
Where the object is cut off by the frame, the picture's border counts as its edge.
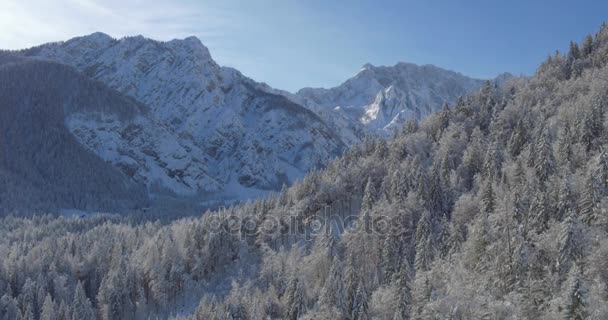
(493, 208)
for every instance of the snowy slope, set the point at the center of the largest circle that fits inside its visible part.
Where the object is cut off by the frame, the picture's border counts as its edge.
(210, 128)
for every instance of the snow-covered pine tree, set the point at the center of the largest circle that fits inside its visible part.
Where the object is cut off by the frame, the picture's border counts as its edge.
(334, 293)
(403, 282)
(81, 305)
(545, 162)
(295, 299)
(425, 242)
(361, 306)
(575, 296)
(49, 309)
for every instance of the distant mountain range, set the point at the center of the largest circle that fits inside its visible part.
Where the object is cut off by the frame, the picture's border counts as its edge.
(194, 128)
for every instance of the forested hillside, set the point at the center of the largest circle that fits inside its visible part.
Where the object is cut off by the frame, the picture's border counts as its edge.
(42, 166)
(494, 208)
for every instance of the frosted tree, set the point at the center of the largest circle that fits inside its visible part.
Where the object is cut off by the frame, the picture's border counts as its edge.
(588, 201)
(381, 150)
(601, 171)
(9, 308)
(564, 145)
(491, 165)
(574, 52)
(390, 256)
(369, 196)
(27, 297)
(587, 46)
(570, 243)
(361, 306)
(235, 307)
(545, 163)
(399, 186)
(436, 194)
(422, 291)
(27, 314)
(64, 312)
(403, 286)
(49, 309)
(540, 212)
(114, 295)
(81, 305)
(479, 241)
(472, 158)
(564, 200)
(455, 239)
(488, 198)
(334, 291)
(425, 243)
(518, 139)
(575, 296)
(586, 134)
(295, 299)
(351, 281)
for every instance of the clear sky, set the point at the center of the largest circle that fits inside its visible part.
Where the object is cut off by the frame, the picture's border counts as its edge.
(293, 44)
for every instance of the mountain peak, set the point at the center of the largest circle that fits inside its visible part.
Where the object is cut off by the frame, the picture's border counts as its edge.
(99, 36)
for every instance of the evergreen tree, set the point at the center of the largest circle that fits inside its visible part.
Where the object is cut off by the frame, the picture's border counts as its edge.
(574, 52)
(488, 198)
(570, 246)
(587, 46)
(544, 164)
(575, 299)
(540, 211)
(10, 310)
(588, 202)
(491, 165)
(454, 241)
(369, 197)
(28, 313)
(436, 195)
(585, 130)
(81, 305)
(334, 291)
(295, 299)
(49, 311)
(564, 200)
(390, 256)
(601, 171)
(399, 186)
(425, 244)
(564, 145)
(361, 306)
(518, 139)
(479, 242)
(403, 285)
(64, 312)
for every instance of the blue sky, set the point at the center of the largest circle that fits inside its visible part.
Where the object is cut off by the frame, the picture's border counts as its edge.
(294, 44)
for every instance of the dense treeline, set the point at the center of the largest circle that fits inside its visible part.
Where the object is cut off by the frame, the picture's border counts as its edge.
(496, 209)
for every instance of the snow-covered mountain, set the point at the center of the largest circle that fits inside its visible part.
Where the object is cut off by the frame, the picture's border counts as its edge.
(378, 99)
(209, 130)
